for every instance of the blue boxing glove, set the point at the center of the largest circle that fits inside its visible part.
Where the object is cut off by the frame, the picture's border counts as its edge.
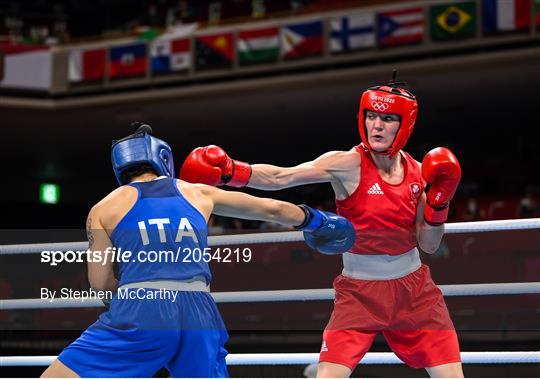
(327, 232)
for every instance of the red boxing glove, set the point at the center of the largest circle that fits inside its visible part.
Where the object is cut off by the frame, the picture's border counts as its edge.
(211, 165)
(441, 171)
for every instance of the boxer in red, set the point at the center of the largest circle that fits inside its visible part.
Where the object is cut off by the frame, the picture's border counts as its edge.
(396, 204)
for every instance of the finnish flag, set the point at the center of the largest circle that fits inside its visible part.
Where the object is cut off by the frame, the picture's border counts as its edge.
(352, 32)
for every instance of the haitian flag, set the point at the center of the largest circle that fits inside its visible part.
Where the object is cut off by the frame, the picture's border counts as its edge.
(170, 55)
(401, 27)
(352, 32)
(127, 60)
(86, 65)
(214, 51)
(302, 40)
(506, 15)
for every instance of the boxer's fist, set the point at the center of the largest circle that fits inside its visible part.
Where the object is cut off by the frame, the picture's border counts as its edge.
(327, 232)
(211, 165)
(441, 171)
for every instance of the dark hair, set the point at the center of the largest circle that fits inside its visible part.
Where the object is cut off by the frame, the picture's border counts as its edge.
(129, 174)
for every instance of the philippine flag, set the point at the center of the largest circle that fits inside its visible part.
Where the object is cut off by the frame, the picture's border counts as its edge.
(401, 27)
(302, 40)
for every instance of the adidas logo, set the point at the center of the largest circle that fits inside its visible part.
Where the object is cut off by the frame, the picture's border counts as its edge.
(375, 190)
(324, 348)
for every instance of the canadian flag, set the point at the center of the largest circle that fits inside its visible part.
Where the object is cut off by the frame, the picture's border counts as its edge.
(86, 65)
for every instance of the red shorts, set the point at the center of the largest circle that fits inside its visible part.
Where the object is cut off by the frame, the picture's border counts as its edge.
(409, 311)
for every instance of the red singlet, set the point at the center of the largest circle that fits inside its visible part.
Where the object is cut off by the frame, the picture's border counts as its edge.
(383, 214)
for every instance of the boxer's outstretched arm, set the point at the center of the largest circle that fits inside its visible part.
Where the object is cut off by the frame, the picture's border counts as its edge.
(324, 231)
(241, 205)
(212, 165)
(328, 167)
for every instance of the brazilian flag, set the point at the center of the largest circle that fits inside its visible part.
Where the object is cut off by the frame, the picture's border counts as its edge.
(453, 21)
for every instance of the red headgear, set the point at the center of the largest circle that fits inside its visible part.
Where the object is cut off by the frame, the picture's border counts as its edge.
(389, 99)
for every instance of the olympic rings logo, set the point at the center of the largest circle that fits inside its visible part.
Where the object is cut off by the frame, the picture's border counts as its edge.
(379, 106)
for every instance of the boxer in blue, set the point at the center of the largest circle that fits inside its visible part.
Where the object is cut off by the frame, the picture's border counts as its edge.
(161, 314)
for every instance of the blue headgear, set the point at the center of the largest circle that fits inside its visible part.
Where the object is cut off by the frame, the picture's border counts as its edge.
(141, 147)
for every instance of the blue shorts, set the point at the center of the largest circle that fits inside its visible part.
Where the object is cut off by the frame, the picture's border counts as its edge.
(136, 338)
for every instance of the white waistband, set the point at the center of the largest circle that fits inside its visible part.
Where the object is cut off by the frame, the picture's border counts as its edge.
(171, 285)
(380, 266)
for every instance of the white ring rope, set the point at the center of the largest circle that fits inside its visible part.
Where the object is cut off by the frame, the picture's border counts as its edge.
(484, 289)
(480, 357)
(257, 238)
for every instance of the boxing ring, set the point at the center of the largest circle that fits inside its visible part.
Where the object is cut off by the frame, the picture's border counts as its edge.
(484, 289)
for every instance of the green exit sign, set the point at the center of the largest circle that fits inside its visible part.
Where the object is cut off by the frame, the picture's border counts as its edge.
(49, 193)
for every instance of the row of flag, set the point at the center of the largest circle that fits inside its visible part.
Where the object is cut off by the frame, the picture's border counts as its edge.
(348, 33)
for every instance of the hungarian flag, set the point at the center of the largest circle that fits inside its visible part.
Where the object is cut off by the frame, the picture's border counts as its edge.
(170, 55)
(401, 27)
(86, 65)
(214, 51)
(506, 15)
(127, 60)
(302, 40)
(258, 46)
(453, 21)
